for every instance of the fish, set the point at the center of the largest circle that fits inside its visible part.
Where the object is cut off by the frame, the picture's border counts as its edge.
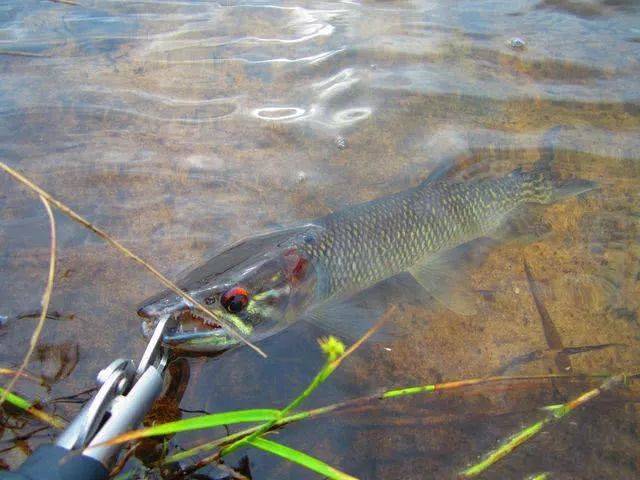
(265, 283)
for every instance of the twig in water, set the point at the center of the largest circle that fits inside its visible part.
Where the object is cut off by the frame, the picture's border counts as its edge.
(122, 461)
(126, 252)
(9, 371)
(36, 314)
(74, 398)
(232, 472)
(46, 297)
(24, 436)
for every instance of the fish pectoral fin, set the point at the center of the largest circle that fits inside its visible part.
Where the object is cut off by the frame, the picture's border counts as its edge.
(346, 319)
(446, 283)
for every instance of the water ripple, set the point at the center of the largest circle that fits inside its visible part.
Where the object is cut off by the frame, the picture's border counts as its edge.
(280, 113)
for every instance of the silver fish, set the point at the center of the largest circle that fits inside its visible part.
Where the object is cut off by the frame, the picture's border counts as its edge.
(264, 283)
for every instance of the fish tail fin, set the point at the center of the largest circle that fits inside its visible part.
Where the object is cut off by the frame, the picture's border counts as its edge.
(540, 185)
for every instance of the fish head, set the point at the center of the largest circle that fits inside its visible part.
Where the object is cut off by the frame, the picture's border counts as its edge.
(257, 288)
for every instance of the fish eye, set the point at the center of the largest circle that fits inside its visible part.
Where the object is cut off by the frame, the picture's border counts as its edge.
(210, 300)
(235, 300)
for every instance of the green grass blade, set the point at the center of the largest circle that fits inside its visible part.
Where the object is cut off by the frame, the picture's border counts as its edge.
(505, 449)
(539, 476)
(23, 404)
(301, 458)
(16, 400)
(198, 423)
(555, 413)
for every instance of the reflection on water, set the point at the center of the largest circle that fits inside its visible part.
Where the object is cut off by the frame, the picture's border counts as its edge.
(182, 125)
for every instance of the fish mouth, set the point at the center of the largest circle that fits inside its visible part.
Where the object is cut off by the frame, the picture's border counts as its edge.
(189, 326)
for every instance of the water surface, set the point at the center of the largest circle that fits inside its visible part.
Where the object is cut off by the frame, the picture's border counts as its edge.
(180, 126)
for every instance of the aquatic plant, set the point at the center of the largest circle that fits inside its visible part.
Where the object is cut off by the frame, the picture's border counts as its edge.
(27, 406)
(274, 419)
(554, 413)
(335, 354)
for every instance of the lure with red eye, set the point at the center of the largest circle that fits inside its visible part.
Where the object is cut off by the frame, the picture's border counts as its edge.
(235, 299)
(296, 266)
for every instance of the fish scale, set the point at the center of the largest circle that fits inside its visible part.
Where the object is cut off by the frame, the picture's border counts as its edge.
(362, 245)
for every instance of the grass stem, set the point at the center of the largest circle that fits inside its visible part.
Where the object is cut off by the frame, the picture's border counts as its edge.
(554, 414)
(364, 401)
(333, 362)
(27, 406)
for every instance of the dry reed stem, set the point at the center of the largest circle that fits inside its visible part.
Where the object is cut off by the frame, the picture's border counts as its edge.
(388, 314)
(66, 2)
(46, 298)
(10, 371)
(125, 251)
(16, 53)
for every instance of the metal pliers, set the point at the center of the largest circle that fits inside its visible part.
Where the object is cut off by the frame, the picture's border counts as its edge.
(124, 396)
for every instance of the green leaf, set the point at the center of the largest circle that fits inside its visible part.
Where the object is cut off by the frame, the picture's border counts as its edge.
(301, 458)
(198, 423)
(557, 411)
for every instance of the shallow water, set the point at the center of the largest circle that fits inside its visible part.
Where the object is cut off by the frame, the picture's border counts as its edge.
(180, 126)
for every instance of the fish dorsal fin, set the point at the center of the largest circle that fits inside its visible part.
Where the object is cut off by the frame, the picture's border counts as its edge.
(447, 283)
(442, 171)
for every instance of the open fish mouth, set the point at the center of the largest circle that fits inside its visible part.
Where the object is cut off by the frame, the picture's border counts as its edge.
(189, 326)
(188, 317)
